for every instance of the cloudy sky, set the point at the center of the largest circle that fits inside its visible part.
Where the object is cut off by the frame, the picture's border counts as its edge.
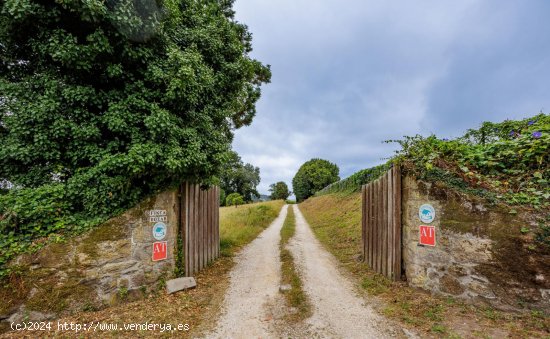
(349, 74)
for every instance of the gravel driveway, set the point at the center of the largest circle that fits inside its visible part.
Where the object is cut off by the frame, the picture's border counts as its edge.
(252, 305)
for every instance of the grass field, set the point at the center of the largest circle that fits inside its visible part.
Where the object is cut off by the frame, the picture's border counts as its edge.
(336, 221)
(242, 224)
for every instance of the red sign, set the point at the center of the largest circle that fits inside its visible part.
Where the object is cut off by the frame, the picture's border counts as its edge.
(427, 235)
(160, 250)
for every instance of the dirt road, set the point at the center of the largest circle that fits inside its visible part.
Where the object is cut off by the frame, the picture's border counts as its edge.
(338, 311)
(252, 305)
(254, 286)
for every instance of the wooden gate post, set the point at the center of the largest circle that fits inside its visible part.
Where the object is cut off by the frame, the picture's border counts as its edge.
(381, 224)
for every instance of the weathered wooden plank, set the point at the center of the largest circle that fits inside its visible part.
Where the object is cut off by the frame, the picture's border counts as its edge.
(215, 207)
(378, 228)
(373, 224)
(367, 228)
(384, 225)
(203, 226)
(205, 229)
(370, 224)
(190, 217)
(390, 226)
(196, 214)
(375, 227)
(199, 229)
(189, 250)
(183, 223)
(397, 222)
(208, 225)
(217, 222)
(371, 228)
(195, 230)
(363, 223)
(380, 224)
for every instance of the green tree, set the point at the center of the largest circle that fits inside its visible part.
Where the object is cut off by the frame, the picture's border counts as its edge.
(313, 176)
(279, 190)
(105, 102)
(234, 199)
(238, 177)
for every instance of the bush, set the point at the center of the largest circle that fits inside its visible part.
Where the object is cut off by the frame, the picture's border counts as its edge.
(234, 199)
(510, 160)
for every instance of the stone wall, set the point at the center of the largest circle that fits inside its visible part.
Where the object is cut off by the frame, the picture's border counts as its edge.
(111, 262)
(483, 253)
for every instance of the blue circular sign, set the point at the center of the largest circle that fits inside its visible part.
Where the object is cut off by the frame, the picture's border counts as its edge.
(426, 213)
(159, 231)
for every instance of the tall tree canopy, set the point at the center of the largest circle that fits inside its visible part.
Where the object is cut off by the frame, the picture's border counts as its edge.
(104, 102)
(238, 177)
(279, 190)
(312, 176)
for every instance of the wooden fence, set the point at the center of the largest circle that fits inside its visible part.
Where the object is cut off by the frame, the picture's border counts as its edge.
(381, 224)
(199, 226)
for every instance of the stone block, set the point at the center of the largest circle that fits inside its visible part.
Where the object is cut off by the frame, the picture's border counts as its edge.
(180, 284)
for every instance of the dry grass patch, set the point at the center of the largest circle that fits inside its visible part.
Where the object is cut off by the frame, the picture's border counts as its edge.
(336, 221)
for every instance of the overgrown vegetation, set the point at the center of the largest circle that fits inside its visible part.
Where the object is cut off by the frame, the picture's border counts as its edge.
(242, 224)
(506, 162)
(336, 222)
(105, 103)
(295, 296)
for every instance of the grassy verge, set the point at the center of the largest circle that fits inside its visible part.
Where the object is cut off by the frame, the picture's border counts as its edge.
(336, 221)
(242, 224)
(295, 296)
(196, 307)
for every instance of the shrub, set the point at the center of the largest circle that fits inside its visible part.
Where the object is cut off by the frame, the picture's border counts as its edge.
(234, 199)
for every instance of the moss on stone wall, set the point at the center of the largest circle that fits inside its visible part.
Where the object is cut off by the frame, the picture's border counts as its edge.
(518, 271)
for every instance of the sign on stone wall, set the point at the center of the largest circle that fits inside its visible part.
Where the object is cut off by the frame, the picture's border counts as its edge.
(426, 213)
(160, 250)
(159, 231)
(158, 216)
(427, 235)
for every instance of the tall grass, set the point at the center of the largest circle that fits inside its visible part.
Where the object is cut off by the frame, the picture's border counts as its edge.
(242, 224)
